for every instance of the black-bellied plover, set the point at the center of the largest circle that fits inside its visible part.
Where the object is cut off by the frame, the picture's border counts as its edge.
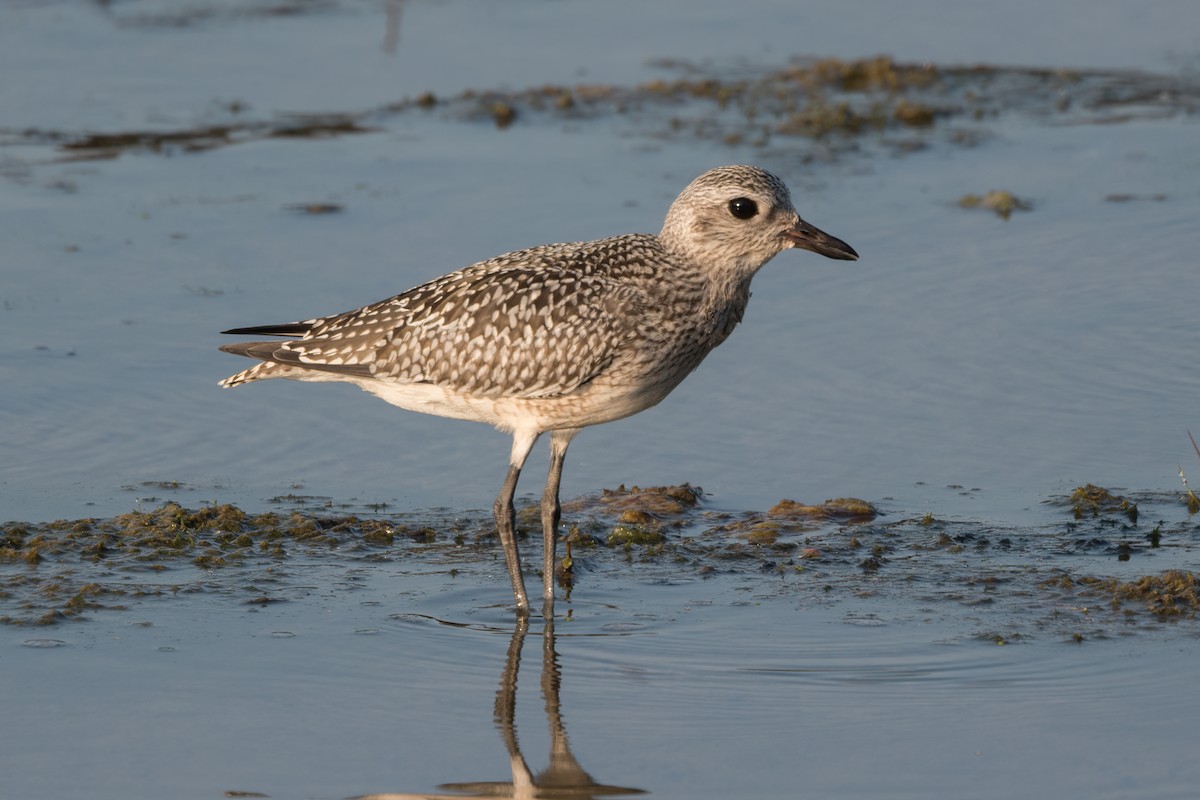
(558, 337)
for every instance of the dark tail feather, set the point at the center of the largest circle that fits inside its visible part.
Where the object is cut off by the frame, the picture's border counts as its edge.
(284, 329)
(275, 353)
(260, 350)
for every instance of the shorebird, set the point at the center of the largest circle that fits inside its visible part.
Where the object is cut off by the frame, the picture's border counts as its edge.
(558, 337)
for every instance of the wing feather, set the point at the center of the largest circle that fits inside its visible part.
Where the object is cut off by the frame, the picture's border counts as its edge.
(534, 323)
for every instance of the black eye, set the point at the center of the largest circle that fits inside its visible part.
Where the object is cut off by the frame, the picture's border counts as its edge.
(743, 207)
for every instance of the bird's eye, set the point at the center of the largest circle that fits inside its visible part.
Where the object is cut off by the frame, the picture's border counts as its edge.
(743, 207)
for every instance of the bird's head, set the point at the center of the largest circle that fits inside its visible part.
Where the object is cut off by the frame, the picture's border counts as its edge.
(739, 218)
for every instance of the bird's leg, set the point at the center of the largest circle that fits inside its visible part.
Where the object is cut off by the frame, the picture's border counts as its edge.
(551, 512)
(506, 527)
(506, 516)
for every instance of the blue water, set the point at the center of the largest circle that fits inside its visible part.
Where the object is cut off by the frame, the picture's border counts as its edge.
(1023, 357)
(965, 366)
(693, 689)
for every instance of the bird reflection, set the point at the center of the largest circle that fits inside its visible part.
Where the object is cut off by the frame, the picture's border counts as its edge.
(564, 778)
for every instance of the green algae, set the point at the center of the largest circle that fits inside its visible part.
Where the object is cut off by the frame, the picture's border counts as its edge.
(878, 73)
(1172, 593)
(624, 535)
(660, 501)
(1091, 500)
(1000, 202)
(167, 538)
(844, 508)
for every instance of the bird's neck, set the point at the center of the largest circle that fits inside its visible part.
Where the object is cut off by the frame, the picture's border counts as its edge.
(725, 303)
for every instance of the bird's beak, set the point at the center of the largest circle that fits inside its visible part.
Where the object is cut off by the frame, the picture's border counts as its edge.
(809, 237)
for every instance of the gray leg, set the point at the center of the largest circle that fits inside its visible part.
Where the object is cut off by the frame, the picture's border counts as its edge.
(506, 517)
(551, 514)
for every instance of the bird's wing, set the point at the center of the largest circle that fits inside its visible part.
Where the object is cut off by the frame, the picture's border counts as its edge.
(536, 323)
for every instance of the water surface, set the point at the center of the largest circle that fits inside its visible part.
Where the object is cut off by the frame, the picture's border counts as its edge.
(968, 367)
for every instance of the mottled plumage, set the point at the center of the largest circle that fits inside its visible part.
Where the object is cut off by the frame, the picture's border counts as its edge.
(557, 337)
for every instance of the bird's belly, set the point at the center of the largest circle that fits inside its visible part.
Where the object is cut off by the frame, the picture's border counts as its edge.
(595, 404)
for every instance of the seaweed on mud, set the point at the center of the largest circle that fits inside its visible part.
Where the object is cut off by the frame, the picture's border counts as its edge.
(1013, 580)
(57, 555)
(823, 107)
(1172, 593)
(1091, 500)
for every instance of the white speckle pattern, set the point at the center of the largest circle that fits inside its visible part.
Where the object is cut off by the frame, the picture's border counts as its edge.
(561, 336)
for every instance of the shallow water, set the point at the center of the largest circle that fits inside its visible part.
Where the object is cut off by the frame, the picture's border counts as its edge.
(680, 690)
(967, 367)
(1022, 358)
(959, 663)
